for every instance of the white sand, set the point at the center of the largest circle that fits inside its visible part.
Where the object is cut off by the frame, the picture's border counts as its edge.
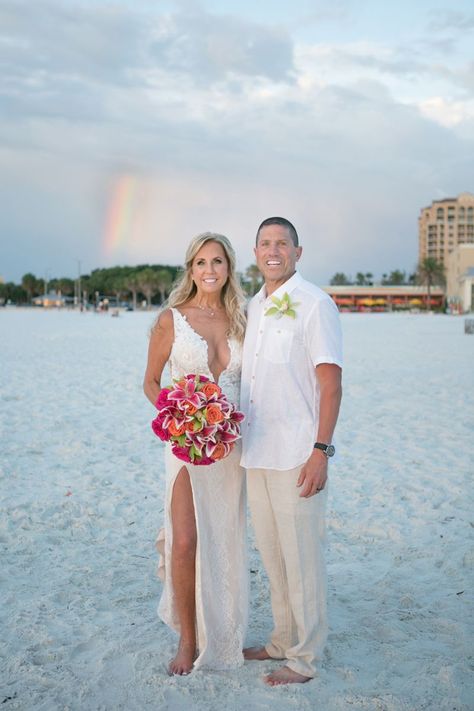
(77, 579)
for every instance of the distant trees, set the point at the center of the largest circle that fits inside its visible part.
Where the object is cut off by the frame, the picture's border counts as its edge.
(118, 288)
(163, 283)
(145, 280)
(397, 277)
(148, 283)
(340, 279)
(361, 279)
(64, 285)
(253, 280)
(132, 285)
(30, 284)
(12, 292)
(364, 279)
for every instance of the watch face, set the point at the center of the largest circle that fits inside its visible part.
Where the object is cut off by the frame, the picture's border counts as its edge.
(330, 450)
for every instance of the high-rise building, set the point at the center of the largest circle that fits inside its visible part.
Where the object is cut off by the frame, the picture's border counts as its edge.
(444, 225)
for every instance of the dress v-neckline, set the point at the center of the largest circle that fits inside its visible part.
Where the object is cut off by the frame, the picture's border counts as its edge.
(216, 380)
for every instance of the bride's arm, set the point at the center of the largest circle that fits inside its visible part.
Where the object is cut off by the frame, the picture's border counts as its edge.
(159, 350)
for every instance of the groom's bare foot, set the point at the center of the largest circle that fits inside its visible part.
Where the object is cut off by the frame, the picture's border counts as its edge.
(184, 659)
(259, 654)
(285, 675)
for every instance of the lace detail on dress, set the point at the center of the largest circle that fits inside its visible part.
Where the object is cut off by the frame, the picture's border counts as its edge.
(189, 355)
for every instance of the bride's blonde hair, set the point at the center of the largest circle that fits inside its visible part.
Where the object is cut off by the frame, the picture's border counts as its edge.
(232, 296)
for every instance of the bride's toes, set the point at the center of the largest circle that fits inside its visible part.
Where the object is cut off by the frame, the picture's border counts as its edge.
(178, 669)
(182, 663)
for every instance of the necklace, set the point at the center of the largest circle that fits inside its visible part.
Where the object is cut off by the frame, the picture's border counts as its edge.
(210, 312)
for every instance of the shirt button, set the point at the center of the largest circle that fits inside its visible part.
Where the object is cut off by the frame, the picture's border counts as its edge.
(251, 402)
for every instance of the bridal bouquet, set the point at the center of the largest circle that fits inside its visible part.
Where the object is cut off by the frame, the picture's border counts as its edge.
(196, 417)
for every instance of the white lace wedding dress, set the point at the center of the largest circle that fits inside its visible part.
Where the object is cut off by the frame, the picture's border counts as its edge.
(219, 505)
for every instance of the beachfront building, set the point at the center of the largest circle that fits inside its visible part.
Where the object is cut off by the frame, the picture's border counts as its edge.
(52, 300)
(444, 225)
(385, 298)
(460, 278)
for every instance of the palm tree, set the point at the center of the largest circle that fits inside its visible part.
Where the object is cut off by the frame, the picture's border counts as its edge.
(430, 272)
(163, 282)
(148, 283)
(63, 285)
(118, 286)
(397, 277)
(30, 284)
(253, 274)
(339, 279)
(132, 284)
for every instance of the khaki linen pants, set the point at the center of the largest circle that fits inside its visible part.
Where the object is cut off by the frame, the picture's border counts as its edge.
(290, 533)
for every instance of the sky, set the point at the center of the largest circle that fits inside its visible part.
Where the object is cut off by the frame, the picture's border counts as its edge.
(128, 127)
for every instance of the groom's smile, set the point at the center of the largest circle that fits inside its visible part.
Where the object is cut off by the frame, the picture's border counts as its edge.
(276, 255)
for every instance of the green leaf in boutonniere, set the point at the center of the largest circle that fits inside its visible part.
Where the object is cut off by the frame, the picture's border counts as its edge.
(283, 307)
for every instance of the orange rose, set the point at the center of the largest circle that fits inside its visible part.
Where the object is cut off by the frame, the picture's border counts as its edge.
(210, 389)
(191, 409)
(214, 414)
(219, 451)
(190, 426)
(176, 431)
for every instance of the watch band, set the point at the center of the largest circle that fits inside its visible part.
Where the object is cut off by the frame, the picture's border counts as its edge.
(328, 449)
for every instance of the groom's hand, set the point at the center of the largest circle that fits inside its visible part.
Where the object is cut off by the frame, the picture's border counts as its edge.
(313, 475)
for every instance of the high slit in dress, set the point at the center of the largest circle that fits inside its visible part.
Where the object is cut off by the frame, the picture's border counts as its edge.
(220, 512)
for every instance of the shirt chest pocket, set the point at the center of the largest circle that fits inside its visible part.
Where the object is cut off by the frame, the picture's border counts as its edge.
(278, 346)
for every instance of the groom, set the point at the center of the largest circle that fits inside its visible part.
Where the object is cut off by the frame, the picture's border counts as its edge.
(291, 391)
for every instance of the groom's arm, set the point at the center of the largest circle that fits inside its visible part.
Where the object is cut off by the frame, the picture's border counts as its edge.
(313, 475)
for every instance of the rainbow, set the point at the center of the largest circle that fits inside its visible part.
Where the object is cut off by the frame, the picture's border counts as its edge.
(124, 216)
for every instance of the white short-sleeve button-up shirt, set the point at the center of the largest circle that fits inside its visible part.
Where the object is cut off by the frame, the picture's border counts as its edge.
(279, 392)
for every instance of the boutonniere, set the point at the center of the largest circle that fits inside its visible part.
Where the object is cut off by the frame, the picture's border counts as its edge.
(283, 307)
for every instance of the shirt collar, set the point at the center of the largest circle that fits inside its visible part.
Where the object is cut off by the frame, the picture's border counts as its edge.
(287, 287)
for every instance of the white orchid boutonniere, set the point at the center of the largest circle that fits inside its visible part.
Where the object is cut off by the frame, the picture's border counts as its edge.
(283, 307)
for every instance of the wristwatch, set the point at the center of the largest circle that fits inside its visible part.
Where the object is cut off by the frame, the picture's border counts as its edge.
(328, 449)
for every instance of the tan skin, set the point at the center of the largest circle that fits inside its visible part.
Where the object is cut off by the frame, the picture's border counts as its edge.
(209, 272)
(276, 257)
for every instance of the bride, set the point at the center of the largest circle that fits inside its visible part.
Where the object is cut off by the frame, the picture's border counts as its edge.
(202, 545)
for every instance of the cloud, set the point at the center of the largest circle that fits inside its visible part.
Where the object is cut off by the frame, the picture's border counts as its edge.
(448, 113)
(54, 39)
(447, 20)
(214, 47)
(223, 121)
(361, 56)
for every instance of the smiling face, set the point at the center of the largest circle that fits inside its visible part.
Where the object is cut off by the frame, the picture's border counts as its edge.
(276, 255)
(210, 269)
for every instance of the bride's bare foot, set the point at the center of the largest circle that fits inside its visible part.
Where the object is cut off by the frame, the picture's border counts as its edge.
(259, 654)
(184, 659)
(285, 675)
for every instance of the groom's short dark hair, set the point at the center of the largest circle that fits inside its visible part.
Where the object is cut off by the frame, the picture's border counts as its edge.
(284, 223)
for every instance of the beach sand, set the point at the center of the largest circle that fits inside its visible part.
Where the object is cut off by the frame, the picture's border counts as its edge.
(82, 484)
